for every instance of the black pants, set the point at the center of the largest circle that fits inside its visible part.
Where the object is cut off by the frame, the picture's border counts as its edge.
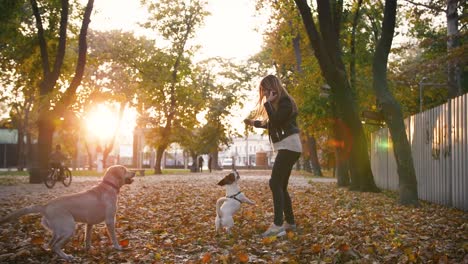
(279, 185)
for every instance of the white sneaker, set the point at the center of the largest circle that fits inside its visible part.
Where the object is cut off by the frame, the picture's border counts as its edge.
(289, 227)
(274, 230)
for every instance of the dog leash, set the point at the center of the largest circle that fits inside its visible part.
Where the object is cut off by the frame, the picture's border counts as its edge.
(234, 197)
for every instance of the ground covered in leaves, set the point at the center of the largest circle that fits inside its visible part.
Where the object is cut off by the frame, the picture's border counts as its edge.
(170, 219)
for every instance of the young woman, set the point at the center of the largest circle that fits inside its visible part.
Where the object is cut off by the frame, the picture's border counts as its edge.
(277, 112)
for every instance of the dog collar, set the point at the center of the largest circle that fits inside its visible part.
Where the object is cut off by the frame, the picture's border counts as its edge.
(111, 185)
(234, 197)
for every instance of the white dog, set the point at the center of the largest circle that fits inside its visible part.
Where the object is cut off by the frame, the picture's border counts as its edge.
(91, 207)
(231, 203)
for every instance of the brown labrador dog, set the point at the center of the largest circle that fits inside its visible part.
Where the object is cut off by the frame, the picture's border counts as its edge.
(91, 207)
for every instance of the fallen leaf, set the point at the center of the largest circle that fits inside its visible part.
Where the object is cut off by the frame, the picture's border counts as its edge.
(243, 257)
(206, 258)
(344, 247)
(316, 248)
(38, 240)
(124, 242)
(268, 240)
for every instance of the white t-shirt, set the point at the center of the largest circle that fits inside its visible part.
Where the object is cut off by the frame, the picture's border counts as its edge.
(292, 142)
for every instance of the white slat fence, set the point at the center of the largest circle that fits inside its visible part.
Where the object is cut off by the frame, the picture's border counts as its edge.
(439, 145)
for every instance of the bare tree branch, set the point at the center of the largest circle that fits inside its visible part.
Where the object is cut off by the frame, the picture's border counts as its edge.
(428, 6)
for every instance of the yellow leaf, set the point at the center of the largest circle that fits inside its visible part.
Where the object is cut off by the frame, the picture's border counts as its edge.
(370, 250)
(243, 257)
(224, 259)
(268, 240)
(290, 235)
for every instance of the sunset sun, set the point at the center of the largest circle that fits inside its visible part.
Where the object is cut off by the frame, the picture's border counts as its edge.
(101, 122)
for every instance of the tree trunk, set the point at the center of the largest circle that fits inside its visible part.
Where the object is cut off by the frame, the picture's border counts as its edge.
(90, 156)
(392, 111)
(20, 149)
(352, 63)
(307, 166)
(327, 51)
(194, 166)
(341, 169)
(215, 160)
(312, 146)
(44, 147)
(342, 153)
(453, 68)
(105, 155)
(159, 154)
(297, 52)
(29, 151)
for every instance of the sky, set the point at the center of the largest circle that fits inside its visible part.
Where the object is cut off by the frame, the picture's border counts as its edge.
(231, 31)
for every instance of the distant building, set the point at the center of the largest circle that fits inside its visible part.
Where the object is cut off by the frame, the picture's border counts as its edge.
(8, 148)
(246, 150)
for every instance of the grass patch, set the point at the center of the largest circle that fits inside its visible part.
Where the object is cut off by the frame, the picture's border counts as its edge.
(95, 173)
(325, 173)
(14, 173)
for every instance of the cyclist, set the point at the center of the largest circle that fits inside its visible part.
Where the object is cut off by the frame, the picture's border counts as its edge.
(57, 158)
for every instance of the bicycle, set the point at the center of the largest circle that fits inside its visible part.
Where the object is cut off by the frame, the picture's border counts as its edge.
(54, 176)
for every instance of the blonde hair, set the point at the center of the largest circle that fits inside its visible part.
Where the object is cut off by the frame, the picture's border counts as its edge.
(271, 83)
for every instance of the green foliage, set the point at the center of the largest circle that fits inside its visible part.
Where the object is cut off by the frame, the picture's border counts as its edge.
(176, 21)
(301, 73)
(424, 55)
(21, 62)
(222, 84)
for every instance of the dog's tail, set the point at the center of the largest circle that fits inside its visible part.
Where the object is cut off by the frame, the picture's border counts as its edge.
(218, 206)
(23, 211)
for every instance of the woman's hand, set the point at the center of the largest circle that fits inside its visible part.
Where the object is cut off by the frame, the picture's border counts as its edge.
(271, 96)
(249, 122)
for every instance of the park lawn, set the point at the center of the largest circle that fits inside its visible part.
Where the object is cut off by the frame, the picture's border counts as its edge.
(172, 221)
(92, 172)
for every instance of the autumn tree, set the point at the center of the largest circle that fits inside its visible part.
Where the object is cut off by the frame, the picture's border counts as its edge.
(438, 33)
(175, 22)
(51, 25)
(391, 109)
(113, 74)
(284, 50)
(226, 84)
(327, 48)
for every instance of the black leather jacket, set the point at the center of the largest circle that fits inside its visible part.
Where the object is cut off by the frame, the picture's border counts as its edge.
(282, 122)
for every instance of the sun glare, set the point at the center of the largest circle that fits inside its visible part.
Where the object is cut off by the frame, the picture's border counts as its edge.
(101, 122)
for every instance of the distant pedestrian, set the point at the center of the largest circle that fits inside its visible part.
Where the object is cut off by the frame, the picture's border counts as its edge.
(209, 162)
(200, 164)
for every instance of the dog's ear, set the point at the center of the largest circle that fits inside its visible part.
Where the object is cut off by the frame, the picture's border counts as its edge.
(222, 182)
(228, 179)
